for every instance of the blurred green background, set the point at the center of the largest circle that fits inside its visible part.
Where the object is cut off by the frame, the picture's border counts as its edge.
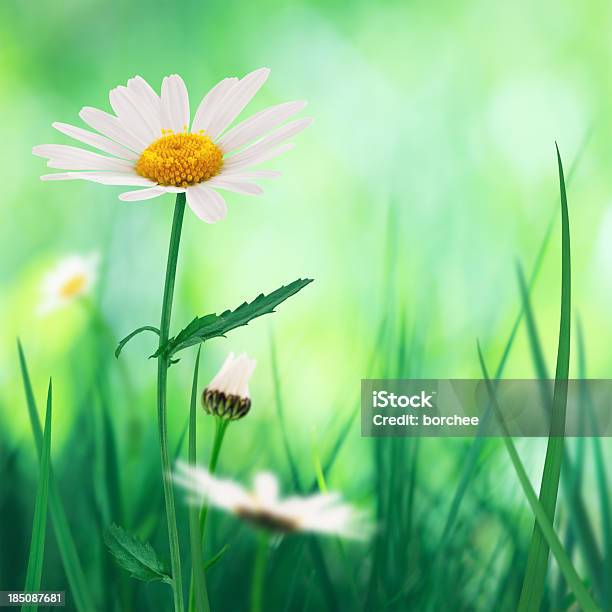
(429, 171)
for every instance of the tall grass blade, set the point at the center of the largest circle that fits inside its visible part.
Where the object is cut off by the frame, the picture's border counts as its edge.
(280, 411)
(198, 575)
(582, 595)
(39, 526)
(473, 452)
(578, 516)
(601, 478)
(537, 559)
(79, 588)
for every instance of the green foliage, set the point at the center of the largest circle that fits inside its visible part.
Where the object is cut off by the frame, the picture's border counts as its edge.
(542, 518)
(213, 325)
(135, 557)
(65, 542)
(39, 526)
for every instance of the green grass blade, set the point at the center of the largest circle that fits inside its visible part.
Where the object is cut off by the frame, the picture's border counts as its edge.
(578, 516)
(537, 559)
(601, 479)
(63, 535)
(39, 526)
(281, 416)
(537, 354)
(470, 460)
(582, 595)
(195, 538)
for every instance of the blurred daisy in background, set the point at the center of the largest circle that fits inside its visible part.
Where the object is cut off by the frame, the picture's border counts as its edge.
(71, 278)
(227, 395)
(324, 513)
(151, 142)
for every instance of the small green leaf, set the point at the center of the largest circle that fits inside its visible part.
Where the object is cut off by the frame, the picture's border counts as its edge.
(131, 335)
(213, 325)
(134, 556)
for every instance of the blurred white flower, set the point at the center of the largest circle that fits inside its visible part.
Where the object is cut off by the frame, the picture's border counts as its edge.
(319, 513)
(151, 142)
(72, 277)
(227, 395)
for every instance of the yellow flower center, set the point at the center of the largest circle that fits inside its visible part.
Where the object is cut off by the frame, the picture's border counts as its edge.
(73, 286)
(180, 160)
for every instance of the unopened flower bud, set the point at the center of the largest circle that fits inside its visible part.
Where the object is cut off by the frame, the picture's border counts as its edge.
(227, 395)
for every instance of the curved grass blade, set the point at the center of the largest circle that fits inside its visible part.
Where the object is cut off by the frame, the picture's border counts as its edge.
(39, 526)
(65, 543)
(578, 516)
(537, 559)
(470, 460)
(582, 595)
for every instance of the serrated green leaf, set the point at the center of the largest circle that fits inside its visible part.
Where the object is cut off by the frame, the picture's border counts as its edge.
(125, 340)
(136, 557)
(213, 325)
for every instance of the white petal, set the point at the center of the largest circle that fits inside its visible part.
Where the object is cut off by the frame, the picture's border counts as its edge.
(128, 108)
(231, 165)
(266, 489)
(149, 102)
(174, 104)
(111, 127)
(221, 493)
(73, 158)
(258, 125)
(142, 194)
(105, 178)
(234, 375)
(236, 99)
(206, 203)
(271, 141)
(95, 140)
(210, 104)
(231, 183)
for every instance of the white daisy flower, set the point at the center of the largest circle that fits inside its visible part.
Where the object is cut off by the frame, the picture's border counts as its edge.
(227, 395)
(151, 142)
(72, 277)
(319, 513)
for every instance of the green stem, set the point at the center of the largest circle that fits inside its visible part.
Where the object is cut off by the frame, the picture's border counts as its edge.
(259, 571)
(220, 428)
(162, 379)
(198, 593)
